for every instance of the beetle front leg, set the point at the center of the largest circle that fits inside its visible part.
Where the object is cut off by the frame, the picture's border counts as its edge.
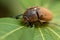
(28, 21)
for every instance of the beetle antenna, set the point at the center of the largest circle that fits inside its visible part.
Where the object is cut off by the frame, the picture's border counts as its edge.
(17, 16)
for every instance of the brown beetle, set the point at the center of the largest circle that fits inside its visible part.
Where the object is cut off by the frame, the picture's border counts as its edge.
(37, 14)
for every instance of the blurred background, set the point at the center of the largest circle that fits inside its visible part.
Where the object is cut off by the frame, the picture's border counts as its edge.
(14, 7)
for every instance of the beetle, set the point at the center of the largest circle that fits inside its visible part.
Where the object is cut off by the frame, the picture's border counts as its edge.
(36, 14)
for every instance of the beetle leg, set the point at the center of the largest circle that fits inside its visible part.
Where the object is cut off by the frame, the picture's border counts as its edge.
(55, 24)
(28, 22)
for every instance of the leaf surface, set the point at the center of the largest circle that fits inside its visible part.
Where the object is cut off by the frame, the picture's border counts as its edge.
(12, 29)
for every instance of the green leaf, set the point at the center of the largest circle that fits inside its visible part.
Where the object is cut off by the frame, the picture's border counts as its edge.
(9, 29)
(12, 29)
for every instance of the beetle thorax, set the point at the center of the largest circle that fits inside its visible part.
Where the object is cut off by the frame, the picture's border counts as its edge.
(31, 15)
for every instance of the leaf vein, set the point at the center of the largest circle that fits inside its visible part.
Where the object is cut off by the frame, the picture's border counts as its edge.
(7, 34)
(54, 32)
(41, 34)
